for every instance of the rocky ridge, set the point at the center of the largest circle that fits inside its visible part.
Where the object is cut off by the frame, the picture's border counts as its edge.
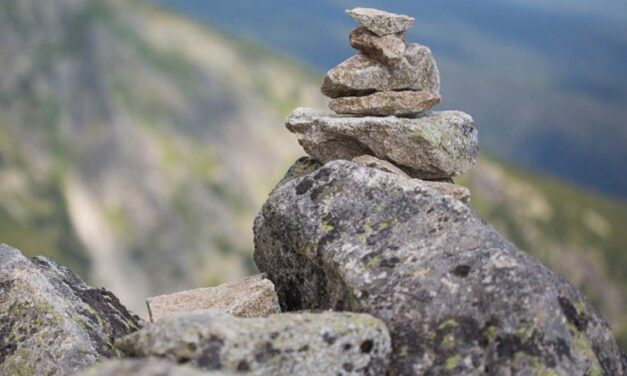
(372, 226)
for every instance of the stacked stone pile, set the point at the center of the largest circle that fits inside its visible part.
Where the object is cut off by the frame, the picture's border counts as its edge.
(380, 98)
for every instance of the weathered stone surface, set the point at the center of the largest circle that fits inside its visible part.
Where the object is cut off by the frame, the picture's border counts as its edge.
(436, 145)
(247, 297)
(146, 367)
(457, 296)
(361, 75)
(51, 322)
(389, 49)
(327, 343)
(457, 191)
(386, 103)
(374, 162)
(381, 22)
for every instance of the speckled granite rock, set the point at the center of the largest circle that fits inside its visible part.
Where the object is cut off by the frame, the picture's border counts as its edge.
(374, 162)
(389, 49)
(386, 103)
(51, 322)
(436, 145)
(146, 367)
(457, 296)
(247, 297)
(361, 75)
(327, 343)
(381, 22)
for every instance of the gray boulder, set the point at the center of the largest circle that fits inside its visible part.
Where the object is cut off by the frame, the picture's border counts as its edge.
(381, 22)
(361, 75)
(326, 343)
(51, 322)
(389, 49)
(457, 296)
(435, 145)
(386, 103)
(145, 367)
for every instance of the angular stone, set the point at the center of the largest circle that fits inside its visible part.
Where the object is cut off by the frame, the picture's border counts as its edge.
(432, 146)
(389, 49)
(146, 367)
(379, 164)
(386, 103)
(361, 75)
(422, 58)
(457, 296)
(51, 322)
(381, 22)
(247, 297)
(327, 343)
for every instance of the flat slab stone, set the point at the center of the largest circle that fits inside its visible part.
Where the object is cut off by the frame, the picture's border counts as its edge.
(51, 322)
(386, 103)
(146, 367)
(247, 297)
(433, 146)
(457, 296)
(389, 49)
(325, 343)
(381, 22)
(361, 75)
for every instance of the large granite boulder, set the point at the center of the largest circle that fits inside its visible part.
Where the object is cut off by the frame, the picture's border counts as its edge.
(326, 343)
(51, 322)
(252, 296)
(457, 296)
(433, 146)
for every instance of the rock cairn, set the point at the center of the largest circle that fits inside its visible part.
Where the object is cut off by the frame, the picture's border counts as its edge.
(380, 98)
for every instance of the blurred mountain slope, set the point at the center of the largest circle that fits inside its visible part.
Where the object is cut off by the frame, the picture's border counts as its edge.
(136, 147)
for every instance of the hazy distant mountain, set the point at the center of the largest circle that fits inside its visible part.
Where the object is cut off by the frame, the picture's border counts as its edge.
(136, 147)
(545, 80)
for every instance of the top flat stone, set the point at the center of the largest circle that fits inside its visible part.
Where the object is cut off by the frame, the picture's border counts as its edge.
(381, 22)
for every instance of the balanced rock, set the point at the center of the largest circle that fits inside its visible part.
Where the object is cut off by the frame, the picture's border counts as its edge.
(389, 49)
(457, 296)
(362, 75)
(247, 297)
(51, 322)
(436, 145)
(381, 22)
(326, 343)
(146, 367)
(386, 103)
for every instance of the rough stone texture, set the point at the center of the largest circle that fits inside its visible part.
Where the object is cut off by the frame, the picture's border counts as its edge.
(361, 75)
(146, 367)
(374, 162)
(326, 343)
(457, 191)
(389, 49)
(436, 145)
(247, 297)
(386, 103)
(457, 296)
(381, 22)
(51, 322)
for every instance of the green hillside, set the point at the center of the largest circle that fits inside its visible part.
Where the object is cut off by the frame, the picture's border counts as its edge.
(136, 148)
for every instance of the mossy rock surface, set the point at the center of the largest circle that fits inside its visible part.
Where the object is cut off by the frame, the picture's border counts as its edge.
(51, 322)
(456, 295)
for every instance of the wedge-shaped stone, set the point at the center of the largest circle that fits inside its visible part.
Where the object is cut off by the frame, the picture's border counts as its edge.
(381, 22)
(389, 49)
(385, 103)
(247, 297)
(457, 296)
(327, 343)
(51, 322)
(433, 146)
(361, 75)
